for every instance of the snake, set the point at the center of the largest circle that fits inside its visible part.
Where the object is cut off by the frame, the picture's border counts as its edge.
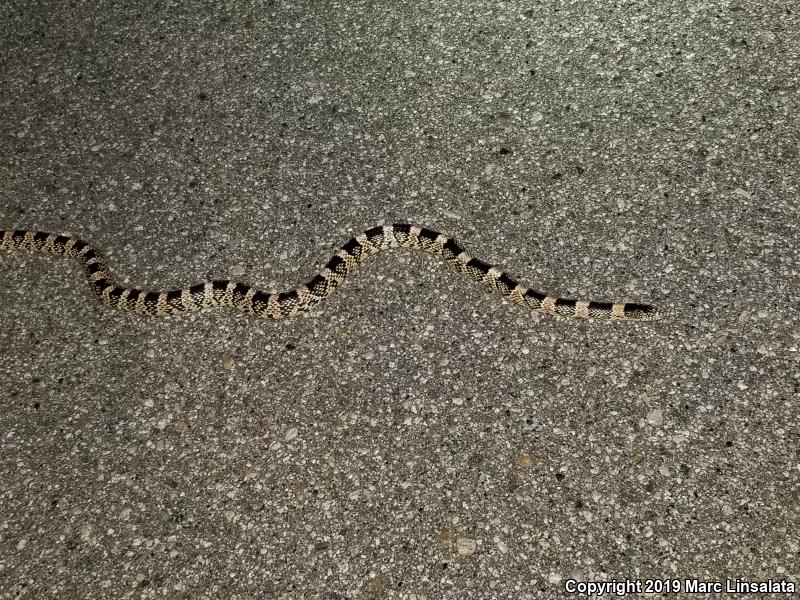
(276, 305)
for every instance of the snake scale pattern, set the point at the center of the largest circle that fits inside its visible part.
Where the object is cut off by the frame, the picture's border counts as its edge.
(286, 304)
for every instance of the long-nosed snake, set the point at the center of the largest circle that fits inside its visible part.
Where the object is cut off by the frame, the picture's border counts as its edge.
(286, 304)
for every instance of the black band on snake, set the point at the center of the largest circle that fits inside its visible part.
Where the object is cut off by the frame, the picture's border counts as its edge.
(276, 305)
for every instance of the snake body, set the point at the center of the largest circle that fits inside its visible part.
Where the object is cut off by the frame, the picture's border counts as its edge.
(278, 305)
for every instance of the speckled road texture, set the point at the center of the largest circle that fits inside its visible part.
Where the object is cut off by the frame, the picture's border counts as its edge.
(415, 437)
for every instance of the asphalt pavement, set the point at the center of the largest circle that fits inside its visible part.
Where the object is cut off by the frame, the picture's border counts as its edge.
(414, 437)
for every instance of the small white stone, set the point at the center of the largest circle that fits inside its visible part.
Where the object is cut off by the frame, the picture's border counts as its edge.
(291, 434)
(655, 417)
(466, 546)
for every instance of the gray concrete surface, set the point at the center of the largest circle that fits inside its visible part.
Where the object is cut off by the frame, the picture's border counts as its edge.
(416, 437)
